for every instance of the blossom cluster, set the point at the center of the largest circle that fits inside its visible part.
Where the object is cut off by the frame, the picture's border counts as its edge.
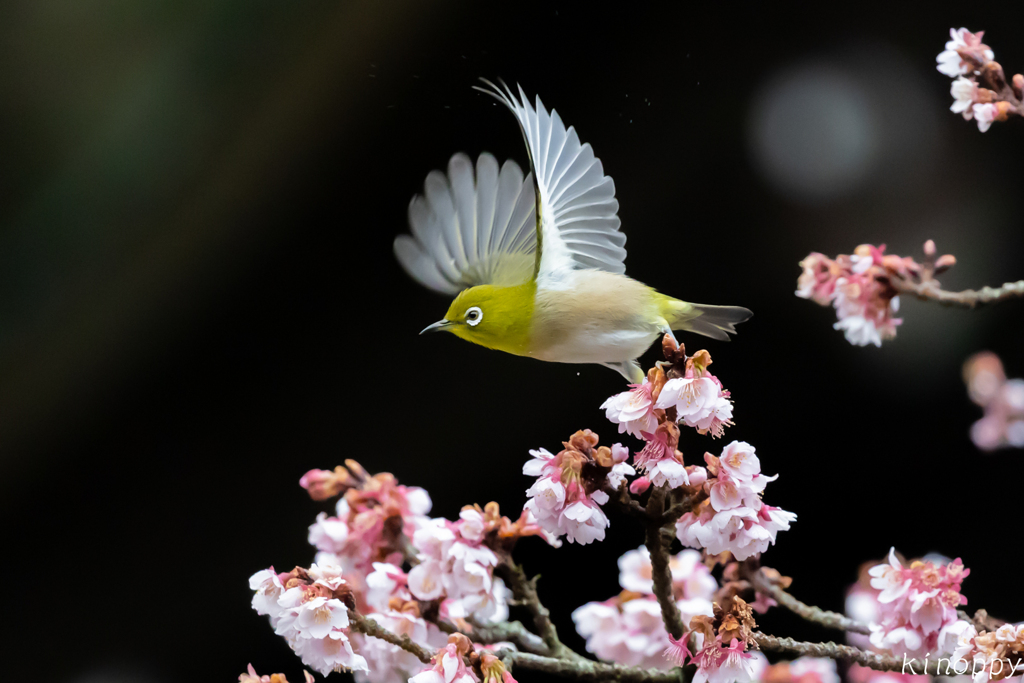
(918, 606)
(728, 514)
(864, 286)
(981, 90)
(989, 655)
(391, 604)
(379, 529)
(456, 566)
(309, 608)
(686, 394)
(628, 628)
(372, 515)
(724, 648)
(1002, 400)
(572, 486)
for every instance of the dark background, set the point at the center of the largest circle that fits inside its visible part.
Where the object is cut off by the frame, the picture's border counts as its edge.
(198, 300)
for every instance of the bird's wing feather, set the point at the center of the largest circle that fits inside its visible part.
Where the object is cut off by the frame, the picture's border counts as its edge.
(577, 226)
(471, 228)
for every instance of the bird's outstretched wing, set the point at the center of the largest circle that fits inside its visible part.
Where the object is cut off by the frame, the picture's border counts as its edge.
(471, 228)
(577, 226)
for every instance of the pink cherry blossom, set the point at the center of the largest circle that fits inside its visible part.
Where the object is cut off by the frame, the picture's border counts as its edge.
(965, 93)
(857, 286)
(389, 663)
(733, 518)
(454, 566)
(917, 602)
(632, 410)
(628, 629)
(985, 114)
(950, 61)
(561, 501)
(448, 665)
(700, 402)
(310, 615)
(717, 663)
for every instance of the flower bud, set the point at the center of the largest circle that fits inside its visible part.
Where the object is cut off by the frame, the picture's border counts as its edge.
(929, 248)
(639, 485)
(944, 263)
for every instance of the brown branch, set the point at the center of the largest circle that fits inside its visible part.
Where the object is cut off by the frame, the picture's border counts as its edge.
(589, 670)
(808, 612)
(981, 620)
(628, 504)
(525, 590)
(372, 628)
(661, 572)
(930, 290)
(510, 631)
(848, 653)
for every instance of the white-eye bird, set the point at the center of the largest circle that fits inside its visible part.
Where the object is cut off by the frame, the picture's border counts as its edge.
(537, 263)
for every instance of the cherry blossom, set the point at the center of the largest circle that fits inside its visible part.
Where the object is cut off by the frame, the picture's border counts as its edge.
(950, 60)
(632, 410)
(311, 614)
(362, 531)
(858, 288)
(718, 663)
(700, 401)
(457, 569)
(965, 94)
(389, 663)
(917, 602)
(733, 518)
(628, 629)
(448, 665)
(567, 497)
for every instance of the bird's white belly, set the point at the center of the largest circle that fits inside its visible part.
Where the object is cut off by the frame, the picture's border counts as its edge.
(589, 346)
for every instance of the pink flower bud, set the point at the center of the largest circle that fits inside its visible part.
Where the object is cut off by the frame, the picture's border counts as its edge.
(929, 248)
(639, 485)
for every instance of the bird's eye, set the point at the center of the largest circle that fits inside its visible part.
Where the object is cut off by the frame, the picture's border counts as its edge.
(474, 315)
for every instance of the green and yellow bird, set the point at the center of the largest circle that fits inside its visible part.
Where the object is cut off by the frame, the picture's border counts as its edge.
(537, 263)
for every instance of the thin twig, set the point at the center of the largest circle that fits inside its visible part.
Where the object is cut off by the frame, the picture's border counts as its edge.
(981, 620)
(808, 612)
(525, 590)
(848, 653)
(628, 504)
(930, 290)
(372, 628)
(589, 670)
(661, 572)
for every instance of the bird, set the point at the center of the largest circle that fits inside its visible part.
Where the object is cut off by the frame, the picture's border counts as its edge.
(536, 263)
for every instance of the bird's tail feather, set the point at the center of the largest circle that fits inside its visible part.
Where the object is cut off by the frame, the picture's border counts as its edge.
(717, 322)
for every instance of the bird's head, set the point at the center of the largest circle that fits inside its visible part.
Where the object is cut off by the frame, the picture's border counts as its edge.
(495, 317)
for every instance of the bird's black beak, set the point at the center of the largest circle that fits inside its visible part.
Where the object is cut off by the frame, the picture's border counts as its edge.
(438, 326)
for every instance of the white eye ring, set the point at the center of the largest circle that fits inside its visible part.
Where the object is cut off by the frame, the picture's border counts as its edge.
(474, 315)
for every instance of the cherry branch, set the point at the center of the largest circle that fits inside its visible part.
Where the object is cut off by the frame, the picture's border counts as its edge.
(929, 290)
(826, 618)
(370, 627)
(661, 573)
(846, 653)
(508, 631)
(588, 670)
(525, 590)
